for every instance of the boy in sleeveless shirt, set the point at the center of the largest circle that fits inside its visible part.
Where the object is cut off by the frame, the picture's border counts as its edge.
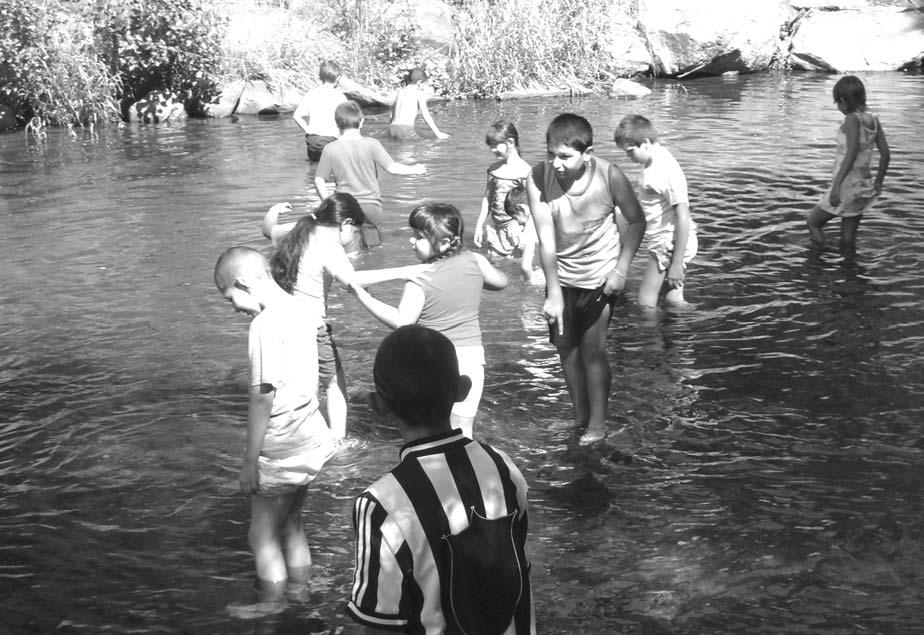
(574, 197)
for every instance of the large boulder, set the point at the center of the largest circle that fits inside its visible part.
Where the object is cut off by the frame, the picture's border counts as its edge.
(261, 98)
(627, 52)
(158, 106)
(225, 103)
(712, 37)
(868, 39)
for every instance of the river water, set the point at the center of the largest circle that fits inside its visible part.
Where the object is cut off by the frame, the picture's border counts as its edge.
(766, 467)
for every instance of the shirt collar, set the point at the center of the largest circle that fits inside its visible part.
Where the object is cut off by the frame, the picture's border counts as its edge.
(435, 443)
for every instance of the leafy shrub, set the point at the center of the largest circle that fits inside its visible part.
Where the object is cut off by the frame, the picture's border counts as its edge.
(48, 66)
(173, 45)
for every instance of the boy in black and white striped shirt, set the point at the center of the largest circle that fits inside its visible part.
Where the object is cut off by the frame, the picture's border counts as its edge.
(440, 540)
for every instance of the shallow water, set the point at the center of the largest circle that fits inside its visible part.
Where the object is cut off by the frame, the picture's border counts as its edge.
(765, 475)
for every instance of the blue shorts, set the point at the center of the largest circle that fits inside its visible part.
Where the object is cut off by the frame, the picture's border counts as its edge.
(329, 365)
(582, 308)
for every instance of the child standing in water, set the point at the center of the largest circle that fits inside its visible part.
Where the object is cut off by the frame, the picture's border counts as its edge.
(309, 257)
(353, 162)
(853, 189)
(574, 198)
(408, 101)
(445, 297)
(662, 192)
(509, 171)
(287, 439)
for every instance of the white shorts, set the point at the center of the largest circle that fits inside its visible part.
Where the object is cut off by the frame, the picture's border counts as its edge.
(471, 363)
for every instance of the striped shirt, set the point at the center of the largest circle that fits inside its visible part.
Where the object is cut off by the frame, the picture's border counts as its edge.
(440, 543)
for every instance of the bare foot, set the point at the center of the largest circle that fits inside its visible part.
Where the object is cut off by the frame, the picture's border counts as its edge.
(593, 434)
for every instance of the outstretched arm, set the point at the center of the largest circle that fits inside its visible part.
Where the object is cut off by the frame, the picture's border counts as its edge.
(271, 219)
(406, 169)
(407, 311)
(366, 277)
(427, 117)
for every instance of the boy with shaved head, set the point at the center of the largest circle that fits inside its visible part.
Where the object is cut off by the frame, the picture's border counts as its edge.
(440, 540)
(288, 440)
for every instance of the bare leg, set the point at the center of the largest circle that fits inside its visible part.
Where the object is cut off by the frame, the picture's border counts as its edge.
(849, 226)
(652, 281)
(597, 377)
(816, 221)
(268, 516)
(336, 407)
(576, 381)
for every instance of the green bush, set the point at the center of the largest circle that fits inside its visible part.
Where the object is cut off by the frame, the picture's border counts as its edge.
(49, 68)
(77, 61)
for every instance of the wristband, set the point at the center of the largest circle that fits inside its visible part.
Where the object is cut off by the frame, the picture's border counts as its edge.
(620, 273)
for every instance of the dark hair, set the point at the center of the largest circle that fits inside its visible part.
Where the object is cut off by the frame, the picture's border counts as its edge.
(633, 130)
(348, 115)
(515, 197)
(851, 92)
(415, 75)
(500, 131)
(568, 129)
(437, 221)
(329, 71)
(333, 211)
(416, 373)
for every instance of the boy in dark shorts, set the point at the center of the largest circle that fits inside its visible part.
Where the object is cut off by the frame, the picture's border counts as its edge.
(440, 539)
(574, 198)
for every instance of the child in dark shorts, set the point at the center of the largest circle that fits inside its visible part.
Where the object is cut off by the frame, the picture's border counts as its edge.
(574, 198)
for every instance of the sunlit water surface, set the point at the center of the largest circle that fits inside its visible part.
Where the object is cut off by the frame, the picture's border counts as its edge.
(766, 470)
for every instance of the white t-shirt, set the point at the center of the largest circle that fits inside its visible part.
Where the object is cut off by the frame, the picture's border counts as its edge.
(319, 105)
(661, 186)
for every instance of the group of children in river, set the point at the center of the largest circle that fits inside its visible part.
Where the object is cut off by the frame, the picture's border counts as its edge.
(442, 536)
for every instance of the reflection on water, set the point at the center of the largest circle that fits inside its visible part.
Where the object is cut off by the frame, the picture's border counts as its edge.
(765, 471)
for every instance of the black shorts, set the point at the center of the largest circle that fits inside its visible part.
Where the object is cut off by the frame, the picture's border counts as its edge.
(582, 309)
(329, 365)
(315, 144)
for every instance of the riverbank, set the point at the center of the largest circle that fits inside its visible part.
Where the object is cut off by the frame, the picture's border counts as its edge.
(206, 54)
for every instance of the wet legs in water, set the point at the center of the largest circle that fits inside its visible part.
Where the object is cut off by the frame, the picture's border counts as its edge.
(818, 218)
(587, 376)
(280, 547)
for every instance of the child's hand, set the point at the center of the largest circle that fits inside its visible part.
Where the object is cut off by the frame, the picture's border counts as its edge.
(442, 135)
(877, 187)
(834, 198)
(615, 282)
(478, 238)
(675, 276)
(418, 168)
(281, 208)
(249, 478)
(553, 309)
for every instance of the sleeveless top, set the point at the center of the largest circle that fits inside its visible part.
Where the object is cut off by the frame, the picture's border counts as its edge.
(857, 193)
(452, 298)
(586, 236)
